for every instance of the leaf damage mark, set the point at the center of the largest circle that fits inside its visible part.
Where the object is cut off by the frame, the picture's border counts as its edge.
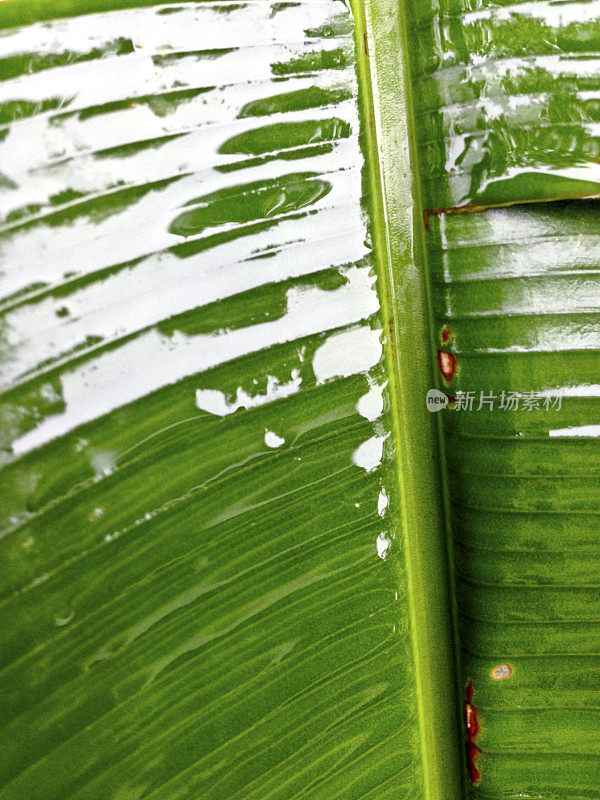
(448, 365)
(502, 672)
(479, 208)
(473, 728)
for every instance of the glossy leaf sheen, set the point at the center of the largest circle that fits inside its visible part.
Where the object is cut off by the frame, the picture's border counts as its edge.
(508, 100)
(506, 110)
(516, 288)
(202, 592)
(208, 583)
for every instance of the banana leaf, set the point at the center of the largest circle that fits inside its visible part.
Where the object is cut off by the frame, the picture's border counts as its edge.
(240, 558)
(506, 112)
(508, 100)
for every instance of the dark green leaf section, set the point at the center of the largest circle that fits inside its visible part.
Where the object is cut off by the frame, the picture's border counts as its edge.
(203, 583)
(517, 291)
(507, 100)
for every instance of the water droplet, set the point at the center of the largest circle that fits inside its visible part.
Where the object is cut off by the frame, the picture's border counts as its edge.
(49, 393)
(347, 353)
(63, 620)
(383, 502)
(273, 440)
(103, 462)
(369, 454)
(370, 405)
(216, 402)
(383, 545)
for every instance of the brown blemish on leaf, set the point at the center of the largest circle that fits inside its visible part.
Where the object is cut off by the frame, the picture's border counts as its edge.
(446, 334)
(502, 672)
(448, 365)
(478, 208)
(473, 728)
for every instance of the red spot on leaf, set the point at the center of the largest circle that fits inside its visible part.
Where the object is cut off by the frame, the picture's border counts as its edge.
(446, 334)
(473, 753)
(448, 364)
(469, 693)
(473, 728)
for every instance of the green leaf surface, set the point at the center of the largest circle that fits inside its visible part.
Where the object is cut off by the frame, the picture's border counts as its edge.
(238, 556)
(207, 586)
(508, 100)
(503, 101)
(515, 287)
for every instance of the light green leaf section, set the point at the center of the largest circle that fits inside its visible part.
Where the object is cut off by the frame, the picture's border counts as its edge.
(209, 584)
(406, 298)
(223, 567)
